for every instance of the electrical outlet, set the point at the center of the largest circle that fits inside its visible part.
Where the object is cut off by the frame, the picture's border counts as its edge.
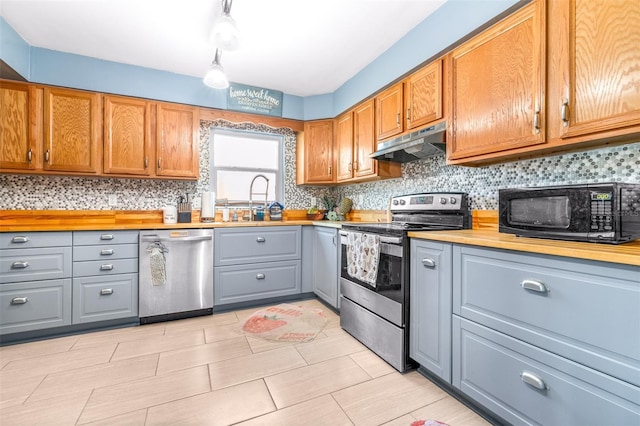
(113, 200)
(359, 200)
(313, 201)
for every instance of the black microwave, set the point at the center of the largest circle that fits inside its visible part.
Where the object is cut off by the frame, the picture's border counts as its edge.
(600, 212)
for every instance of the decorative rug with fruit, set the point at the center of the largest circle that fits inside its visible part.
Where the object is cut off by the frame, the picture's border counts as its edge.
(285, 323)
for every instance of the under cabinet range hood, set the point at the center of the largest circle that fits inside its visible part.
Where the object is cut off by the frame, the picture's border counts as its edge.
(423, 143)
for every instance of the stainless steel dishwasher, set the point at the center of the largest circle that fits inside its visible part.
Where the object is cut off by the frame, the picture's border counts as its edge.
(176, 274)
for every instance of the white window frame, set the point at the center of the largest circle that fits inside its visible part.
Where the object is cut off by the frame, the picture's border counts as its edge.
(278, 194)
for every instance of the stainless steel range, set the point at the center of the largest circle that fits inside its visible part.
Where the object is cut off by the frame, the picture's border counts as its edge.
(375, 309)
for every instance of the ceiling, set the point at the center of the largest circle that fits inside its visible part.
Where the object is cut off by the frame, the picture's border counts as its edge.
(300, 47)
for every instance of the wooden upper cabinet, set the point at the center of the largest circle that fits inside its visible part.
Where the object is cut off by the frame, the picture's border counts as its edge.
(127, 136)
(344, 146)
(594, 68)
(423, 96)
(389, 107)
(498, 80)
(20, 126)
(318, 152)
(364, 139)
(72, 131)
(177, 144)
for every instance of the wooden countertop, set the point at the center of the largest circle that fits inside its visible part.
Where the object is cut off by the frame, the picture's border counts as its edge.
(628, 253)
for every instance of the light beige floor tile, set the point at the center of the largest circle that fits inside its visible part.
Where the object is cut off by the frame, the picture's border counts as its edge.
(132, 396)
(15, 388)
(94, 377)
(192, 356)
(39, 348)
(393, 395)
(255, 366)
(222, 332)
(201, 322)
(63, 410)
(118, 336)
(451, 411)
(405, 420)
(261, 345)
(221, 407)
(135, 418)
(302, 384)
(63, 361)
(321, 411)
(332, 347)
(372, 363)
(156, 344)
(334, 331)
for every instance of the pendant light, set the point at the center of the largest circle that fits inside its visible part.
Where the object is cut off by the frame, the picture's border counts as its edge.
(216, 77)
(225, 34)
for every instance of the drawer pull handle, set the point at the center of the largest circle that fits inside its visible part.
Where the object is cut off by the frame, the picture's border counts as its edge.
(106, 237)
(20, 239)
(20, 264)
(106, 252)
(108, 267)
(532, 379)
(428, 262)
(260, 276)
(106, 291)
(260, 240)
(19, 300)
(536, 286)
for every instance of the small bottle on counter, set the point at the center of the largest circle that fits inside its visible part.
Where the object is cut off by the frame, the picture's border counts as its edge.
(225, 214)
(235, 216)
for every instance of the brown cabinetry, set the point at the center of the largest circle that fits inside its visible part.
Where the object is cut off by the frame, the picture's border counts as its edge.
(177, 145)
(316, 152)
(72, 131)
(127, 136)
(20, 126)
(498, 87)
(389, 105)
(344, 146)
(364, 140)
(423, 96)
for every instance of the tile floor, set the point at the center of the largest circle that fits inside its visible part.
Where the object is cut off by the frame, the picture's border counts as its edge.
(204, 371)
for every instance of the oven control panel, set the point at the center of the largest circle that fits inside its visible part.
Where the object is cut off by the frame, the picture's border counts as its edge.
(450, 201)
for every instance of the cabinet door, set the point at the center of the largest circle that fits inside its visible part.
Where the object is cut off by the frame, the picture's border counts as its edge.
(344, 146)
(178, 152)
(72, 130)
(318, 151)
(596, 80)
(389, 109)
(430, 307)
(423, 96)
(325, 266)
(127, 135)
(19, 137)
(364, 140)
(498, 82)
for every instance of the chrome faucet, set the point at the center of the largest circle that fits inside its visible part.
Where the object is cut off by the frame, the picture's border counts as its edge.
(265, 193)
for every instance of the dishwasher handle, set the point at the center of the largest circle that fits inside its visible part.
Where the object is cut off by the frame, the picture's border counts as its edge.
(155, 237)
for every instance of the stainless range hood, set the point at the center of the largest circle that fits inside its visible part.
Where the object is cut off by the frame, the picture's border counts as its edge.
(413, 146)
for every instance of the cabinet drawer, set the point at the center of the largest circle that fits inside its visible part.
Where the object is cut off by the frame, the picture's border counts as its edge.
(88, 238)
(105, 267)
(526, 385)
(243, 283)
(251, 245)
(35, 305)
(588, 314)
(17, 240)
(35, 264)
(105, 298)
(105, 252)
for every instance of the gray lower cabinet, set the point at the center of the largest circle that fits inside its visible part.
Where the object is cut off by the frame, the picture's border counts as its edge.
(430, 307)
(256, 263)
(105, 275)
(35, 284)
(325, 264)
(543, 339)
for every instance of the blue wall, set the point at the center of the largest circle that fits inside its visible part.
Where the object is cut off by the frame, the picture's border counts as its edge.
(449, 23)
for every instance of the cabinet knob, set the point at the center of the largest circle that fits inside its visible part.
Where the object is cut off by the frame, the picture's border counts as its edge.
(106, 267)
(532, 379)
(106, 292)
(533, 285)
(408, 114)
(106, 252)
(260, 276)
(536, 122)
(261, 240)
(564, 113)
(107, 237)
(428, 262)
(19, 264)
(398, 120)
(20, 239)
(29, 155)
(19, 300)
(159, 163)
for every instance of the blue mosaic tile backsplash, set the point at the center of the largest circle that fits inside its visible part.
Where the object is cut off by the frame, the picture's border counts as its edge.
(619, 163)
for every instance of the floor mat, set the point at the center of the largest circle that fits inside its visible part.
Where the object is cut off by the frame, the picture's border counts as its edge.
(285, 323)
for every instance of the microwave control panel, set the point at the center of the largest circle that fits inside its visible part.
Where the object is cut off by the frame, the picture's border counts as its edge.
(601, 211)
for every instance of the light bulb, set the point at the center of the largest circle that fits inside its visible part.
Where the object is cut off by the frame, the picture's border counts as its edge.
(215, 77)
(225, 34)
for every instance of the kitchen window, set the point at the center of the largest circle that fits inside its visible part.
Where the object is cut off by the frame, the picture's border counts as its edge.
(237, 157)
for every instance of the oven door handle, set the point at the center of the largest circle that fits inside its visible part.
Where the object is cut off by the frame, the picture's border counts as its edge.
(383, 238)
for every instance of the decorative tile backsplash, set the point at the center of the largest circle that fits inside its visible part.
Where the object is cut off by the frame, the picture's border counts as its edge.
(620, 163)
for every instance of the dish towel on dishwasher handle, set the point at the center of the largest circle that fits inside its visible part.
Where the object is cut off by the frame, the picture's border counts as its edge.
(363, 256)
(157, 263)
